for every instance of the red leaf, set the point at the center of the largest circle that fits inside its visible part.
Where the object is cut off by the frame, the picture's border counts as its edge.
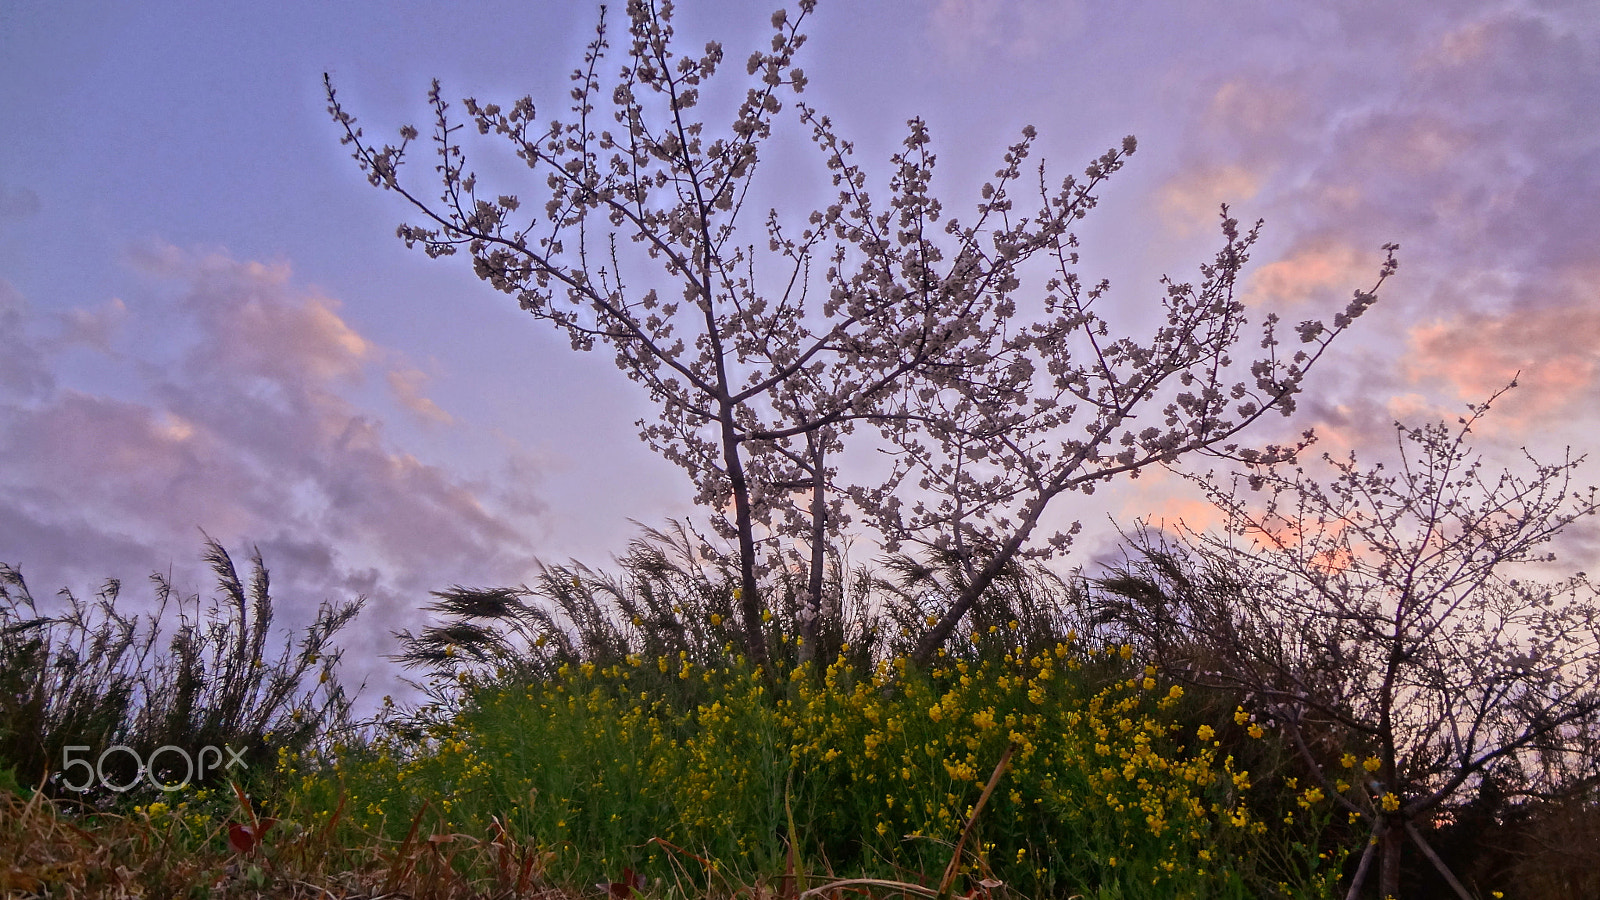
(242, 838)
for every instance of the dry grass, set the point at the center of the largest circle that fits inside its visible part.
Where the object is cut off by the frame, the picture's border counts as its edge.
(50, 850)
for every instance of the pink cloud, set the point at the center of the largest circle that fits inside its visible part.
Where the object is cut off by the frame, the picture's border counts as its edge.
(1477, 353)
(407, 387)
(1466, 44)
(1320, 269)
(129, 463)
(1166, 501)
(258, 323)
(1411, 144)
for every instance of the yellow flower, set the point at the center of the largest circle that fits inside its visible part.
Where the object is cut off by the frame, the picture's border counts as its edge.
(1348, 760)
(1256, 731)
(716, 619)
(1372, 764)
(1205, 732)
(1390, 802)
(1240, 717)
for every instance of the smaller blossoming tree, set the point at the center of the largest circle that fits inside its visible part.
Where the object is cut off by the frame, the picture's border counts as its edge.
(1387, 612)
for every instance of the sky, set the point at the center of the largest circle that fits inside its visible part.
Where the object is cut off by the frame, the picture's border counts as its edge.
(206, 321)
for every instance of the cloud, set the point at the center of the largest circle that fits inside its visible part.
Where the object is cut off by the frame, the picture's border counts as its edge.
(1477, 353)
(966, 29)
(249, 433)
(1190, 202)
(257, 323)
(24, 371)
(1165, 500)
(1468, 135)
(1251, 110)
(407, 387)
(93, 328)
(1321, 268)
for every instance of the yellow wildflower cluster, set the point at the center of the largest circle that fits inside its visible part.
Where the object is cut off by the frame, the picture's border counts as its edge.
(878, 764)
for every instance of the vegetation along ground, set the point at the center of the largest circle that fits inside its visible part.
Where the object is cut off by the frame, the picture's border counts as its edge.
(1366, 682)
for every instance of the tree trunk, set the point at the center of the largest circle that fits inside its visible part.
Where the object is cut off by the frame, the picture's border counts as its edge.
(929, 646)
(811, 619)
(1389, 860)
(750, 606)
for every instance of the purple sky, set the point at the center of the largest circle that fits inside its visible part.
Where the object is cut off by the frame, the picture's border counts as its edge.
(206, 322)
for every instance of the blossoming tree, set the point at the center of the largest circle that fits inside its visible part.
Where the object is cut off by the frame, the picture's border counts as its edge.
(766, 345)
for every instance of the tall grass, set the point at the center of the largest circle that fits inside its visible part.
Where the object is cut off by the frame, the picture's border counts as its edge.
(674, 596)
(92, 678)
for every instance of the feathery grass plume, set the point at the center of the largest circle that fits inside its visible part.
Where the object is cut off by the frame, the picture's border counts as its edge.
(92, 678)
(674, 596)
